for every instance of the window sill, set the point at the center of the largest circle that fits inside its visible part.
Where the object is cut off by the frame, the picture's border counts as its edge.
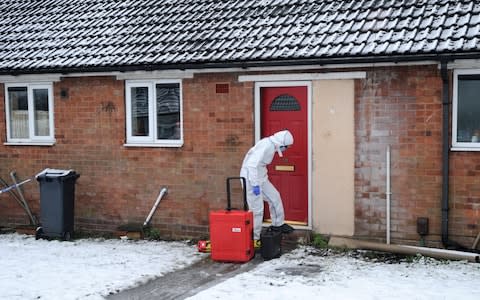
(51, 143)
(472, 149)
(148, 145)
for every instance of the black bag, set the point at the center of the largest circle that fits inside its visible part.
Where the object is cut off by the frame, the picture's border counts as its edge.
(271, 244)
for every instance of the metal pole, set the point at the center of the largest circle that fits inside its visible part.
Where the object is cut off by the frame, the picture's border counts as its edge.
(388, 193)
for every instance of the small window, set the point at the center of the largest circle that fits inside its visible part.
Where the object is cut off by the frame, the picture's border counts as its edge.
(285, 103)
(29, 114)
(466, 110)
(154, 113)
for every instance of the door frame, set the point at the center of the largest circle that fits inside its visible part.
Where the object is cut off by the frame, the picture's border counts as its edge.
(257, 113)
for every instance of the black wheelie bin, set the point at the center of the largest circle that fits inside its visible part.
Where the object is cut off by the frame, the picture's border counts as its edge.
(57, 202)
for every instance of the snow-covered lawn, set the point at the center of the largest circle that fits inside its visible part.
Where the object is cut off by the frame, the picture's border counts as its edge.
(92, 268)
(83, 269)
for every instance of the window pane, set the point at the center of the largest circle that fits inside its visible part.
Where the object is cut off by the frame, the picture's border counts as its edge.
(285, 103)
(40, 101)
(168, 111)
(18, 104)
(468, 109)
(139, 108)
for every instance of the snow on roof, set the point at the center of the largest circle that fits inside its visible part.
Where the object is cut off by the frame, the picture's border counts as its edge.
(46, 35)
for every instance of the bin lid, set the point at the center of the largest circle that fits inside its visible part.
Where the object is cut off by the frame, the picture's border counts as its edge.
(54, 173)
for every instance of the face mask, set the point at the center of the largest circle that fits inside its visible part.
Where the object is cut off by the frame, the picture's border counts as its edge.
(281, 149)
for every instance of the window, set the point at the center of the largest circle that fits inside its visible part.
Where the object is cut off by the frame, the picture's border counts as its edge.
(29, 113)
(285, 102)
(154, 113)
(466, 110)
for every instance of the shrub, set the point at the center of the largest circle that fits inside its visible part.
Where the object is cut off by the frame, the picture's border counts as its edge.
(152, 234)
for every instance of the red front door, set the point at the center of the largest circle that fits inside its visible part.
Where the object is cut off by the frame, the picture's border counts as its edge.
(286, 108)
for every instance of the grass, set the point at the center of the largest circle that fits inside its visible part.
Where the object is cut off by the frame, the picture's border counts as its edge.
(319, 241)
(151, 233)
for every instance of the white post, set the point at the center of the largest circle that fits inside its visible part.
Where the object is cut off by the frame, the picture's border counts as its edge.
(388, 193)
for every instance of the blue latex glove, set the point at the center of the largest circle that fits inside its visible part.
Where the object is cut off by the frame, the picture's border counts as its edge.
(256, 190)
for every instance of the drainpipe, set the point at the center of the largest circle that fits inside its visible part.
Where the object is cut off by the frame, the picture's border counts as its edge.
(445, 151)
(447, 243)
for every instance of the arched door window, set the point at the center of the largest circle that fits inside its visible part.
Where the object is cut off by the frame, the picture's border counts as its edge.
(285, 102)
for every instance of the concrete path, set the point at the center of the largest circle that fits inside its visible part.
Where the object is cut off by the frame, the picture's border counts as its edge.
(200, 276)
(187, 282)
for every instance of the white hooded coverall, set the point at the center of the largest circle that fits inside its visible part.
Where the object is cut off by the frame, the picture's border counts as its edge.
(254, 169)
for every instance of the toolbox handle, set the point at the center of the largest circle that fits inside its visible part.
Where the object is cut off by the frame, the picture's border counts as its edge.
(244, 189)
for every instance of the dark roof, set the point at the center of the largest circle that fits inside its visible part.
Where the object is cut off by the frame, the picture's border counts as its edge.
(95, 35)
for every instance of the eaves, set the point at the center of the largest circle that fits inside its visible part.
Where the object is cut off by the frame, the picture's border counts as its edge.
(324, 62)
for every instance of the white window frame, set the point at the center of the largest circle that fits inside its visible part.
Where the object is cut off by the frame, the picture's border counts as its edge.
(32, 138)
(461, 146)
(150, 140)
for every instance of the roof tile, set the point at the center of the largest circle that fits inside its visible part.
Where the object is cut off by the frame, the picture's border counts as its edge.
(65, 34)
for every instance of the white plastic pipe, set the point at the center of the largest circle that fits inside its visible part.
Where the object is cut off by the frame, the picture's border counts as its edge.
(162, 193)
(403, 249)
(388, 193)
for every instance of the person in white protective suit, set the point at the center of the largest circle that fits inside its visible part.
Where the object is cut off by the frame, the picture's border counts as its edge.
(254, 169)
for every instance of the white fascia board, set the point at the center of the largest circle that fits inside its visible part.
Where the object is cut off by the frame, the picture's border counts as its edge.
(163, 74)
(313, 67)
(465, 64)
(91, 74)
(303, 76)
(160, 74)
(30, 78)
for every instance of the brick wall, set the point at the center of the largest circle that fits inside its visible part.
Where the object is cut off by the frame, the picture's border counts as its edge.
(401, 107)
(397, 106)
(465, 204)
(119, 184)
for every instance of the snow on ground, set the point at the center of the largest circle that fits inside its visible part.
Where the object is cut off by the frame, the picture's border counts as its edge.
(90, 268)
(85, 268)
(303, 274)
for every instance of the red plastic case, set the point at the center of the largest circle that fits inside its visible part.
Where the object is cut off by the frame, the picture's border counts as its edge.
(231, 231)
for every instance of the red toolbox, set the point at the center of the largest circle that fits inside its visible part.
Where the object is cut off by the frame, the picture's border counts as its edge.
(231, 230)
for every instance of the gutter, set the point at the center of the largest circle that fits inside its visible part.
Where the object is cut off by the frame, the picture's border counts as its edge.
(320, 62)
